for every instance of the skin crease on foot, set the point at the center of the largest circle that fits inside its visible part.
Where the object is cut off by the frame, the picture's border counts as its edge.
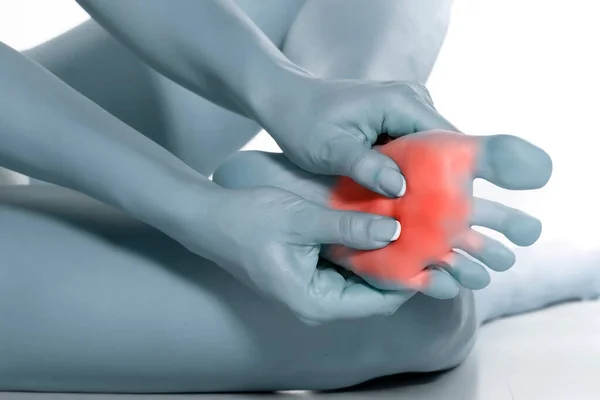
(438, 210)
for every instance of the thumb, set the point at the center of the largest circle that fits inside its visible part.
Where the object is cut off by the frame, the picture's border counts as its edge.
(356, 230)
(428, 118)
(377, 172)
(413, 114)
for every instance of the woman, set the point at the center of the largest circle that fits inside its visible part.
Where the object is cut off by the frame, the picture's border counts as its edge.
(324, 124)
(94, 300)
(101, 302)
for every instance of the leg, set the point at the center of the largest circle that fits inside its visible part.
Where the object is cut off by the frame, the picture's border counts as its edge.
(391, 40)
(93, 301)
(401, 40)
(200, 133)
(93, 63)
(545, 274)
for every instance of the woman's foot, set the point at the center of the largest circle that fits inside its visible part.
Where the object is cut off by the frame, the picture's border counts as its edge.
(506, 161)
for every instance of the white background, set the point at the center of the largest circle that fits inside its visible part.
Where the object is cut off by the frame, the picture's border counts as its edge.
(525, 67)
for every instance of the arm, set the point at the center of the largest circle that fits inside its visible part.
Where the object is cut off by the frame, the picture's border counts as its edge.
(368, 61)
(323, 125)
(51, 132)
(209, 47)
(268, 238)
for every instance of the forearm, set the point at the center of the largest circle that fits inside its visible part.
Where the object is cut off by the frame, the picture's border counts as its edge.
(390, 40)
(210, 47)
(50, 132)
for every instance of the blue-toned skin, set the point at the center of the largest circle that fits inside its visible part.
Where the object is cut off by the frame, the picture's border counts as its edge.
(96, 298)
(75, 143)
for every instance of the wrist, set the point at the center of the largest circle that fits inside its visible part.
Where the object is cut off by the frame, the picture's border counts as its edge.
(192, 217)
(277, 92)
(185, 199)
(163, 196)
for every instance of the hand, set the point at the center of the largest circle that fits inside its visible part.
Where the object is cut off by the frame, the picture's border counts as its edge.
(439, 209)
(329, 126)
(270, 238)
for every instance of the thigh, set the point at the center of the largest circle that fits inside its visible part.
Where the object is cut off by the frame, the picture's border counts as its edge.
(91, 300)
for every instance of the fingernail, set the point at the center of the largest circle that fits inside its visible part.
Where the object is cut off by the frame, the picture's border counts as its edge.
(397, 232)
(392, 182)
(385, 230)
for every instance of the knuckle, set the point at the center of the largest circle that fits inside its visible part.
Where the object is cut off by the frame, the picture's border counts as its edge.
(302, 218)
(366, 169)
(324, 157)
(357, 164)
(346, 154)
(352, 229)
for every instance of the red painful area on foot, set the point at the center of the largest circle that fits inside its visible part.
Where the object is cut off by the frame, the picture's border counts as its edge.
(439, 168)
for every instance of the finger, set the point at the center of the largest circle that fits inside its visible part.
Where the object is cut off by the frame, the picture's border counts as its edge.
(354, 299)
(428, 118)
(488, 251)
(353, 279)
(348, 156)
(513, 163)
(467, 272)
(327, 281)
(437, 284)
(355, 230)
(518, 227)
(330, 296)
(440, 285)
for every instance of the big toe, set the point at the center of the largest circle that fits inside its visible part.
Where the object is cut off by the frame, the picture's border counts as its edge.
(513, 163)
